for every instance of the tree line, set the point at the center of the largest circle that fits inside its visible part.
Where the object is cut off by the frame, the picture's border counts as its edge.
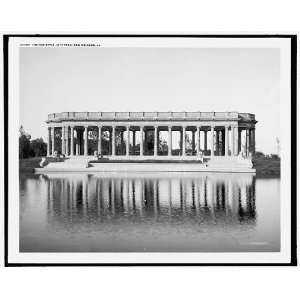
(30, 148)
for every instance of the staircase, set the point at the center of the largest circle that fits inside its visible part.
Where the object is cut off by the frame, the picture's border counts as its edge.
(71, 163)
(235, 163)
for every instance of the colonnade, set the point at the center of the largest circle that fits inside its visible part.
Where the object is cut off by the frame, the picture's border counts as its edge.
(226, 140)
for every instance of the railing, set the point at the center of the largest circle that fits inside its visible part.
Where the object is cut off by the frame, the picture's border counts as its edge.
(136, 116)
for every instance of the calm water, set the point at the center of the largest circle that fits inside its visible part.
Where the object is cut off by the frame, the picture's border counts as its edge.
(182, 212)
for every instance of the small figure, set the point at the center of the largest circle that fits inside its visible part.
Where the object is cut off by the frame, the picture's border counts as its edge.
(55, 154)
(201, 157)
(43, 162)
(96, 154)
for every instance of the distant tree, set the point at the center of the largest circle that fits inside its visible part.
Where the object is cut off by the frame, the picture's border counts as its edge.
(28, 148)
(188, 142)
(57, 139)
(163, 145)
(259, 154)
(38, 147)
(106, 146)
(93, 141)
(24, 144)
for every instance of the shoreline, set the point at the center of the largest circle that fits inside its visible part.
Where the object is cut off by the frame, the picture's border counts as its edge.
(265, 167)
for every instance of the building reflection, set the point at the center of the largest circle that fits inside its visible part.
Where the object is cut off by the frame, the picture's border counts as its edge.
(204, 198)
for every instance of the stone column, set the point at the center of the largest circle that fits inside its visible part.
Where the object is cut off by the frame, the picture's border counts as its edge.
(236, 140)
(198, 140)
(170, 141)
(63, 140)
(99, 139)
(72, 141)
(247, 141)
(53, 139)
(127, 141)
(141, 141)
(212, 141)
(85, 140)
(67, 140)
(239, 140)
(226, 140)
(155, 141)
(183, 141)
(48, 142)
(113, 141)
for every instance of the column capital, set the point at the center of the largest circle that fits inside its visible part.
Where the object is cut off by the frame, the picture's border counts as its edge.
(99, 126)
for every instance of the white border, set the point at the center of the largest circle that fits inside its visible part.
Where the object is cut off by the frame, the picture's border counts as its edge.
(285, 193)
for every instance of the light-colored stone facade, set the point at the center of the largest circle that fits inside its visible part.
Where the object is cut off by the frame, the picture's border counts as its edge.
(212, 134)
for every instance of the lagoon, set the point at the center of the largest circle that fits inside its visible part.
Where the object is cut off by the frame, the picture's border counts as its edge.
(149, 212)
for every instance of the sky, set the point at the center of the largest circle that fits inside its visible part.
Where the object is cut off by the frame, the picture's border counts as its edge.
(151, 79)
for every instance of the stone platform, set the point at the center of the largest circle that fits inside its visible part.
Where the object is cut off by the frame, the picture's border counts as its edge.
(89, 165)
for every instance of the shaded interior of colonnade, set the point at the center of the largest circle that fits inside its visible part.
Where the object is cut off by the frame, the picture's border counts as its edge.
(121, 137)
(156, 141)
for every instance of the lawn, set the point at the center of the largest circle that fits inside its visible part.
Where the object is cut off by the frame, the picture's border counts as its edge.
(267, 167)
(29, 164)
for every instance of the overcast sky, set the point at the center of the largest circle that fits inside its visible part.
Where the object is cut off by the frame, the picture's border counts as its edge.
(151, 79)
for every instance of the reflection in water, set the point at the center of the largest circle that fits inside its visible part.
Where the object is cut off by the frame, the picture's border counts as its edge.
(91, 198)
(143, 212)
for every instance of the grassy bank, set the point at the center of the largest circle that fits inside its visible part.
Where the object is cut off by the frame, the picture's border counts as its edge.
(28, 164)
(267, 167)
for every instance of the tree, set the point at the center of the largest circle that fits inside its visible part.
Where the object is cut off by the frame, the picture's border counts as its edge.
(38, 147)
(28, 148)
(24, 143)
(259, 154)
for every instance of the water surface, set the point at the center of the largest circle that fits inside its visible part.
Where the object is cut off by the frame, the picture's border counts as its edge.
(149, 212)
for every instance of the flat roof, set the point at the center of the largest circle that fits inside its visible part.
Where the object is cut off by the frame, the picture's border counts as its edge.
(150, 116)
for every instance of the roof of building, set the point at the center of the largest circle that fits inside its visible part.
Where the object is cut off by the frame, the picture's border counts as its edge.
(150, 116)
